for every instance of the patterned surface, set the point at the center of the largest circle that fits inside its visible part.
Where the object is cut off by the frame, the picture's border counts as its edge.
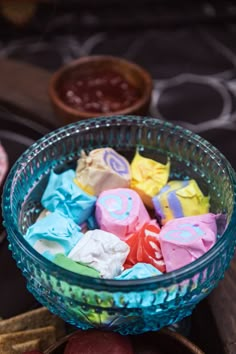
(194, 67)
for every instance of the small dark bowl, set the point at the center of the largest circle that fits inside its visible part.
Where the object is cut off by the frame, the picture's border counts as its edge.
(132, 73)
(161, 342)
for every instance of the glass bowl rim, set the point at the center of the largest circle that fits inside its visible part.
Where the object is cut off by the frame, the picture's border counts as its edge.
(165, 279)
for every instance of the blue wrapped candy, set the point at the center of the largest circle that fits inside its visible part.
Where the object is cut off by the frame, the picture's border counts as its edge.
(53, 234)
(139, 271)
(63, 195)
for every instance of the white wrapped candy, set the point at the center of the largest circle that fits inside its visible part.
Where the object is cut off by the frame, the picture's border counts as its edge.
(102, 251)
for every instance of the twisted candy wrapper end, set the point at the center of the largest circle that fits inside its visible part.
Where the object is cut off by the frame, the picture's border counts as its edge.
(148, 177)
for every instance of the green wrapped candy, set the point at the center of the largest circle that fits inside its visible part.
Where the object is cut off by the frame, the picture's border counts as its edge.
(67, 263)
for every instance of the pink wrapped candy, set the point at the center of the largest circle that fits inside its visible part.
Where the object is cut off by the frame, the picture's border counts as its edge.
(183, 240)
(3, 163)
(121, 212)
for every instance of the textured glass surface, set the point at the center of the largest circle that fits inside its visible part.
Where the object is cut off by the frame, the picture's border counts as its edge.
(125, 306)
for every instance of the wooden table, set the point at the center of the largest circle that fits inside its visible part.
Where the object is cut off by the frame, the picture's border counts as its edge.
(23, 89)
(222, 302)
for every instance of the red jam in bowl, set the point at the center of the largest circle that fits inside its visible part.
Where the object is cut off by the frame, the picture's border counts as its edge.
(99, 92)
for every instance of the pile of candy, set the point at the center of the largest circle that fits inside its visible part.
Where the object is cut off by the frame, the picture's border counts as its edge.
(116, 220)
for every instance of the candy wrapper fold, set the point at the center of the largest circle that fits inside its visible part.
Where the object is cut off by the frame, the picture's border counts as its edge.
(148, 177)
(102, 251)
(101, 170)
(53, 234)
(145, 247)
(63, 195)
(178, 199)
(121, 212)
(186, 239)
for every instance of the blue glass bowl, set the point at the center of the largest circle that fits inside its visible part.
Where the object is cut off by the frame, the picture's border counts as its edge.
(134, 306)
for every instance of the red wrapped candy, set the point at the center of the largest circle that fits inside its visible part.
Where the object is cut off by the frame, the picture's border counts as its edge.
(98, 342)
(145, 247)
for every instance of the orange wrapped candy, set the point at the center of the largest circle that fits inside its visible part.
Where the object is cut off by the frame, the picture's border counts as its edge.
(145, 247)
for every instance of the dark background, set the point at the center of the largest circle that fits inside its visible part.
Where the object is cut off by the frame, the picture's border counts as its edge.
(189, 47)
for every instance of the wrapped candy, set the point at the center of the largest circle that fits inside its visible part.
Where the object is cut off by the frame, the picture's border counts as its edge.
(102, 169)
(89, 224)
(178, 199)
(121, 212)
(63, 195)
(53, 234)
(102, 251)
(3, 163)
(139, 271)
(148, 177)
(145, 247)
(67, 263)
(183, 240)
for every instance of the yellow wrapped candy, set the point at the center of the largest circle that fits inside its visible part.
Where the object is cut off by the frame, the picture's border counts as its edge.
(148, 177)
(178, 199)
